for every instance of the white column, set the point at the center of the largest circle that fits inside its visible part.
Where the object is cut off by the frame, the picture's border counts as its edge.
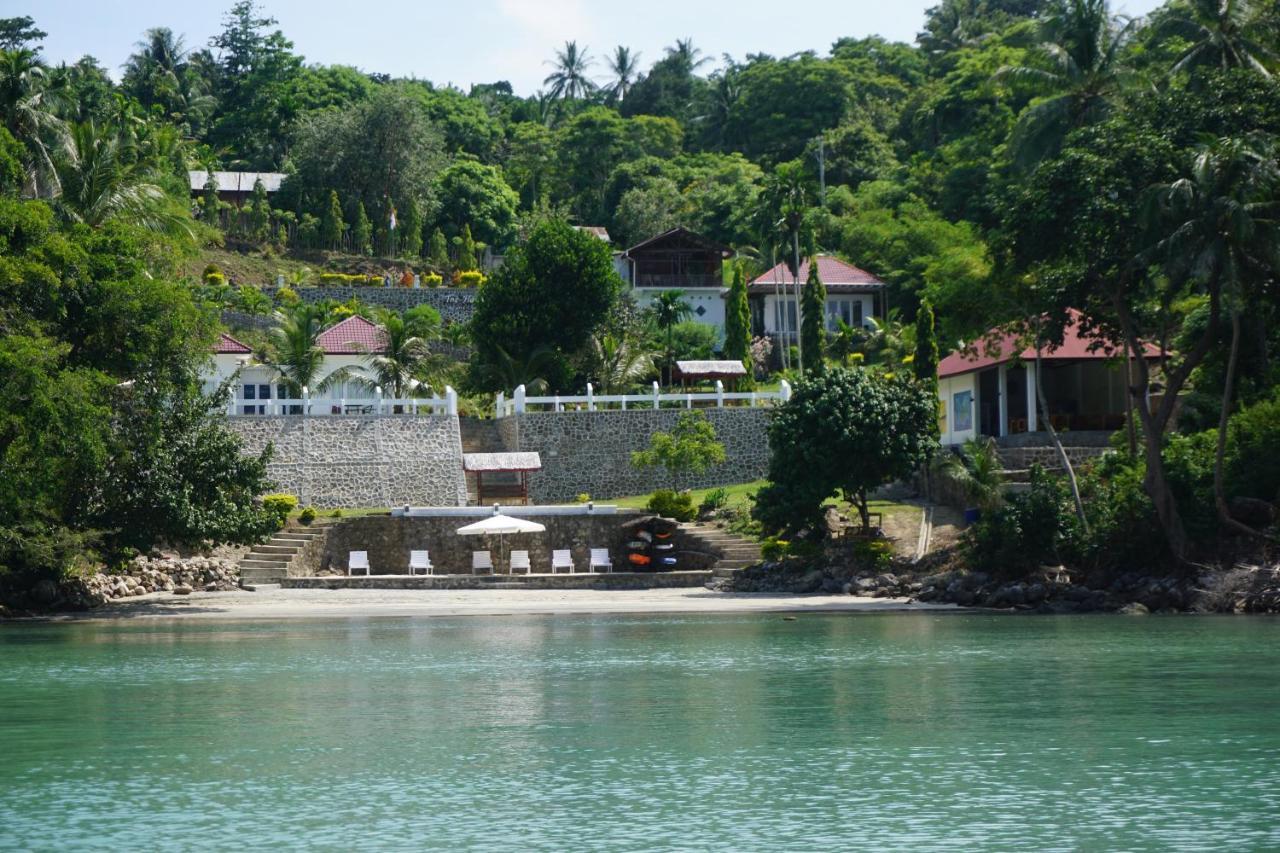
(591, 398)
(499, 404)
(1002, 395)
(519, 399)
(1033, 423)
(719, 394)
(451, 398)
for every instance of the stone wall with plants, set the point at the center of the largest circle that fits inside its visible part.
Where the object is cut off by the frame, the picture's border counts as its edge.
(361, 460)
(590, 452)
(455, 304)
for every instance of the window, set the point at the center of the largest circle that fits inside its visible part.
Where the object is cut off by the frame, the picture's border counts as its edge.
(784, 315)
(250, 392)
(848, 310)
(264, 392)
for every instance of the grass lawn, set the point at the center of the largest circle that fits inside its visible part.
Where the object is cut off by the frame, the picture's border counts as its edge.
(739, 496)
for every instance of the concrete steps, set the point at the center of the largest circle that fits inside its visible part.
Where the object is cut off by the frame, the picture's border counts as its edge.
(269, 562)
(735, 552)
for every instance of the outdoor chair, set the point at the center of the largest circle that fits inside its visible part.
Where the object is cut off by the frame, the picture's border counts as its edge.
(420, 560)
(520, 560)
(357, 560)
(600, 557)
(481, 560)
(561, 560)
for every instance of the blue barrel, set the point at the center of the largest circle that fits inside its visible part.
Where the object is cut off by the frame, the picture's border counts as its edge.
(972, 515)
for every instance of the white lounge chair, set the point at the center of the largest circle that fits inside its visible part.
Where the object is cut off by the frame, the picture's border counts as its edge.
(561, 560)
(600, 557)
(358, 560)
(420, 560)
(481, 560)
(520, 560)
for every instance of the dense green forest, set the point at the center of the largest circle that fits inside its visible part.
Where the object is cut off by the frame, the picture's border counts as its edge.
(1020, 158)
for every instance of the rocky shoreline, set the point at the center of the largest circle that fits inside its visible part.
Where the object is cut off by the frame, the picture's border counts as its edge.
(1243, 589)
(142, 575)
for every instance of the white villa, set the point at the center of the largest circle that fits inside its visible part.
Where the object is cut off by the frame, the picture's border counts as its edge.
(989, 387)
(345, 344)
(853, 295)
(680, 260)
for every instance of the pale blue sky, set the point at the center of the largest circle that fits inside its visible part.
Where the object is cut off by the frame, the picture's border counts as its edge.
(475, 41)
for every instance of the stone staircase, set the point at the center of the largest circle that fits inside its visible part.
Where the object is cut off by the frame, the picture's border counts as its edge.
(736, 552)
(269, 561)
(479, 436)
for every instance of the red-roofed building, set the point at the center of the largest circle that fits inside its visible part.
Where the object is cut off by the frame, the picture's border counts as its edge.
(353, 336)
(985, 387)
(853, 295)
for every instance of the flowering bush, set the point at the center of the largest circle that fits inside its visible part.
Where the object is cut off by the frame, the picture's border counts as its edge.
(470, 278)
(432, 280)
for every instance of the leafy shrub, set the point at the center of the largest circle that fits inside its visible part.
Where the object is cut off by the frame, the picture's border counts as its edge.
(287, 297)
(337, 513)
(338, 279)
(1253, 466)
(874, 554)
(470, 278)
(1024, 533)
(774, 549)
(307, 516)
(280, 506)
(671, 504)
(714, 500)
(582, 498)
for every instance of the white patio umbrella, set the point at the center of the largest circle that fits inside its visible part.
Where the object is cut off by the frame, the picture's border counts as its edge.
(501, 525)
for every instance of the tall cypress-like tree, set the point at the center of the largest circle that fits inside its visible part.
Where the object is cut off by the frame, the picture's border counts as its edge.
(259, 213)
(813, 330)
(410, 230)
(332, 224)
(438, 251)
(467, 251)
(925, 361)
(209, 206)
(361, 232)
(737, 319)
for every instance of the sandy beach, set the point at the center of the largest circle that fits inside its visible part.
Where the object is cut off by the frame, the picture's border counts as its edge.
(272, 602)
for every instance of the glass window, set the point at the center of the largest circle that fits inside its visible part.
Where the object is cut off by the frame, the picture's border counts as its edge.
(250, 392)
(784, 315)
(847, 310)
(264, 392)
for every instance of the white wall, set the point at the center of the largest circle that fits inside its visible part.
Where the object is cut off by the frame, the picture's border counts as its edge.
(948, 390)
(710, 299)
(771, 314)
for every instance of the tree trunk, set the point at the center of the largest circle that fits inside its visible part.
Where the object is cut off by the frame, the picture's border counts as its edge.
(1057, 445)
(795, 242)
(863, 511)
(1220, 453)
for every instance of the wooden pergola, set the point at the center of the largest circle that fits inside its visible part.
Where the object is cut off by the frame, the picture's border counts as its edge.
(725, 370)
(501, 475)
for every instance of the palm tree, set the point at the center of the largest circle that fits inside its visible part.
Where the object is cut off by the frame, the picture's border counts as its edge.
(687, 57)
(979, 472)
(618, 361)
(1080, 74)
(507, 370)
(294, 353)
(624, 66)
(29, 110)
(786, 223)
(845, 342)
(102, 178)
(160, 73)
(1223, 232)
(887, 343)
(399, 366)
(569, 79)
(669, 310)
(1218, 34)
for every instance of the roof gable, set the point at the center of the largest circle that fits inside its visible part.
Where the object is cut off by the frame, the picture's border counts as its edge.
(227, 345)
(833, 272)
(353, 336)
(680, 237)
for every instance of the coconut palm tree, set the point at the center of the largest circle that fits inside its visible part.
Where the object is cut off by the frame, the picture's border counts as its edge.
(508, 370)
(785, 222)
(29, 109)
(687, 57)
(616, 361)
(669, 310)
(401, 364)
(1218, 34)
(101, 178)
(159, 73)
(1223, 232)
(624, 67)
(294, 353)
(979, 472)
(1078, 77)
(569, 79)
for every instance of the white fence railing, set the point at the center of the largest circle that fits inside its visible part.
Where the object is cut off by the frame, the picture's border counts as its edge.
(327, 406)
(521, 402)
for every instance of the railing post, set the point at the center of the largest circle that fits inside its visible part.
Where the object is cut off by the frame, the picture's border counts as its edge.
(342, 404)
(784, 391)
(231, 404)
(306, 401)
(656, 394)
(451, 400)
(555, 406)
(753, 399)
(591, 398)
(498, 405)
(377, 406)
(624, 402)
(719, 394)
(688, 400)
(519, 395)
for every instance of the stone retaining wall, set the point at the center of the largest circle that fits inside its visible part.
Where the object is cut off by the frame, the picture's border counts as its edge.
(361, 460)
(1021, 458)
(390, 539)
(591, 451)
(455, 304)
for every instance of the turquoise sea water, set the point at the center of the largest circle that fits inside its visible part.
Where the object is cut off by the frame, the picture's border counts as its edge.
(919, 731)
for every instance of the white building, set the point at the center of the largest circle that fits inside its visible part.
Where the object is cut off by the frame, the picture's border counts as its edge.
(679, 260)
(853, 295)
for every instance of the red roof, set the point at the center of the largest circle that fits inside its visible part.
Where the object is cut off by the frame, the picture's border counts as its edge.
(998, 347)
(836, 275)
(353, 336)
(228, 345)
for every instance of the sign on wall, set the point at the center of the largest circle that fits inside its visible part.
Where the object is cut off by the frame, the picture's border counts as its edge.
(963, 404)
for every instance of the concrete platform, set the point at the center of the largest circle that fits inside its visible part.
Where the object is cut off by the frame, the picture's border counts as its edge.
(580, 580)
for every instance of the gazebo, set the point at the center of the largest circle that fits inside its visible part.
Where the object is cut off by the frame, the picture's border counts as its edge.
(726, 370)
(501, 475)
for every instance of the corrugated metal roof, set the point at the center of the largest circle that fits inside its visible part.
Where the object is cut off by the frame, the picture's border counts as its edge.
(353, 336)
(241, 182)
(999, 346)
(836, 275)
(501, 462)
